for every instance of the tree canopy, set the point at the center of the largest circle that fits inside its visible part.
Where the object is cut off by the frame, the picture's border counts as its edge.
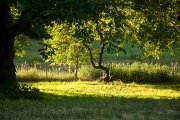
(158, 26)
(154, 24)
(31, 16)
(151, 23)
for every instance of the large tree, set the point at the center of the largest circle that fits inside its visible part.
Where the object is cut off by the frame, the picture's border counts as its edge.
(7, 44)
(156, 26)
(33, 15)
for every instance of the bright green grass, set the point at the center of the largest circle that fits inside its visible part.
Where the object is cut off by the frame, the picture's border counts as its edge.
(117, 89)
(96, 101)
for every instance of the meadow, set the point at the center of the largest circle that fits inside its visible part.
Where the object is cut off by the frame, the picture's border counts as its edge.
(59, 97)
(83, 100)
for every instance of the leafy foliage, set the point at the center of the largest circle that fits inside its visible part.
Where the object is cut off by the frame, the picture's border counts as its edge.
(20, 40)
(150, 23)
(63, 48)
(157, 28)
(20, 43)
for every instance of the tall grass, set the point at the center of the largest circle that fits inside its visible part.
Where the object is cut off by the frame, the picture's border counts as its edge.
(25, 73)
(135, 72)
(125, 72)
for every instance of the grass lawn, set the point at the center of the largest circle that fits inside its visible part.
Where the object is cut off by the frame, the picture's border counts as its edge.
(83, 100)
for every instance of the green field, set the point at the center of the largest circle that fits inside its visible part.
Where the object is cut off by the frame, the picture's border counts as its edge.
(96, 101)
(61, 98)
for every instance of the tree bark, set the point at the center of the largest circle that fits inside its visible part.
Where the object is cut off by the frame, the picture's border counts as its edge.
(7, 68)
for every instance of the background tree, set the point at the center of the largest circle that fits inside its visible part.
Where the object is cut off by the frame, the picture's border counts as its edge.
(108, 27)
(64, 48)
(157, 27)
(108, 31)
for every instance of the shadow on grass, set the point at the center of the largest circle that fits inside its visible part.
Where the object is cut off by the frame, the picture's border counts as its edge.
(82, 106)
(121, 107)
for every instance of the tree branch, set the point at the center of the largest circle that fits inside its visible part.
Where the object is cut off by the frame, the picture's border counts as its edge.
(102, 48)
(91, 56)
(101, 53)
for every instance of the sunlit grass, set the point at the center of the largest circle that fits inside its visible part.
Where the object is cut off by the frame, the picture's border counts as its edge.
(96, 101)
(117, 89)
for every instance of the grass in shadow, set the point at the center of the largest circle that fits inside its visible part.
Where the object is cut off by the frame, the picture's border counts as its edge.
(88, 107)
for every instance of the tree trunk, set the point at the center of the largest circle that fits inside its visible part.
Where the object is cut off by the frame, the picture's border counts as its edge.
(106, 78)
(76, 69)
(7, 69)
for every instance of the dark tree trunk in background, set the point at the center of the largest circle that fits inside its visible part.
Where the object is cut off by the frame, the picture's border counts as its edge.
(7, 69)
